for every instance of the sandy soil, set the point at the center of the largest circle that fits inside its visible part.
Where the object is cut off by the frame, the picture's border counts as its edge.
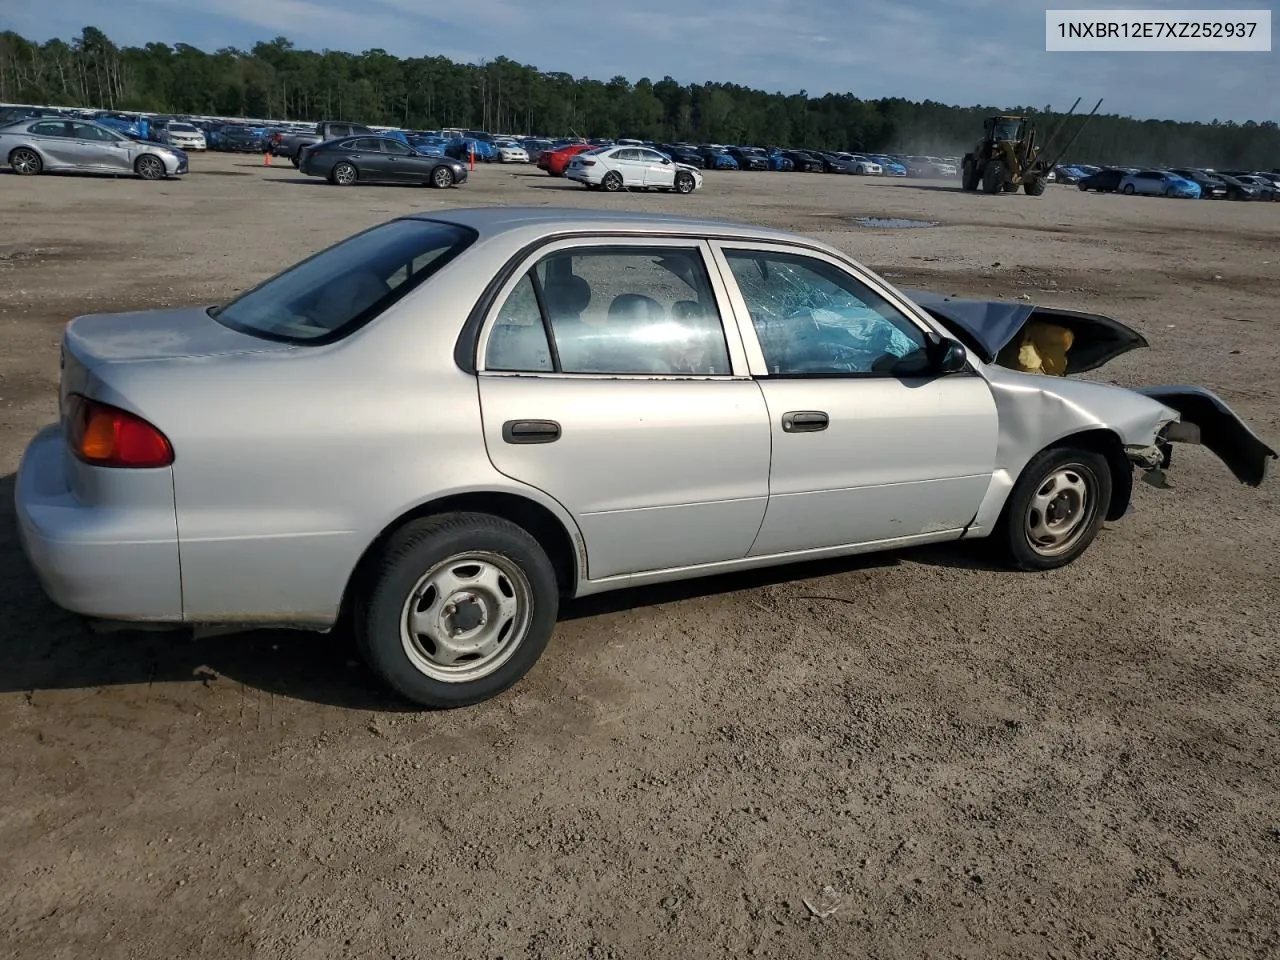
(978, 763)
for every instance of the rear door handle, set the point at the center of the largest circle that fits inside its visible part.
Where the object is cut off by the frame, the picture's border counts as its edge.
(805, 421)
(530, 431)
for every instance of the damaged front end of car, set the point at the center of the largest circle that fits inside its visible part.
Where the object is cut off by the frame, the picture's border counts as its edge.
(1048, 341)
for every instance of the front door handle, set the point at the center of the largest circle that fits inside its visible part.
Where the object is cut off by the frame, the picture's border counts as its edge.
(530, 431)
(804, 421)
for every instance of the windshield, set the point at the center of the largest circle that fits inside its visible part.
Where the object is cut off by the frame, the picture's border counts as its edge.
(182, 127)
(341, 288)
(1008, 129)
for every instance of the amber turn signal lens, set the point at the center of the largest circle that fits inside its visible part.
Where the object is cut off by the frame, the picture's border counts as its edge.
(106, 436)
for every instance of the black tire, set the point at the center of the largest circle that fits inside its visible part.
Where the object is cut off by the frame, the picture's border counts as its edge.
(969, 177)
(294, 160)
(684, 182)
(1168, 192)
(412, 554)
(993, 177)
(1013, 538)
(1010, 187)
(1082, 188)
(612, 182)
(1128, 190)
(442, 177)
(344, 174)
(1035, 186)
(149, 167)
(25, 162)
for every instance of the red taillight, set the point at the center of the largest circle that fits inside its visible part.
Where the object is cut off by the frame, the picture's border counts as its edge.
(106, 436)
(587, 163)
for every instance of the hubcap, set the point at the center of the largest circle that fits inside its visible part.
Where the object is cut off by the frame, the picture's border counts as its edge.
(1059, 512)
(466, 617)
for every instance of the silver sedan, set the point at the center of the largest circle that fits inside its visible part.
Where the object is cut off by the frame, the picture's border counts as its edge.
(445, 424)
(46, 144)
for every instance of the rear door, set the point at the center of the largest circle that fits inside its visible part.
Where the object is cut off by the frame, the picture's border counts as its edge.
(609, 380)
(628, 162)
(861, 454)
(54, 139)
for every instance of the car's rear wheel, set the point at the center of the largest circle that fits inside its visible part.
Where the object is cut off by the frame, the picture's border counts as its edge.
(344, 174)
(1128, 190)
(442, 177)
(612, 181)
(149, 167)
(1082, 188)
(684, 182)
(1168, 192)
(25, 162)
(1055, 509)
(461, 607)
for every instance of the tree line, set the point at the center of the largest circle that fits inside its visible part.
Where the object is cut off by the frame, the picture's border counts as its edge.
(274, 80)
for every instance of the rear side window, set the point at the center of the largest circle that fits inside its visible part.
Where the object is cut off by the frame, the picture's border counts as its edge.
(612, 311)
(51, 128)
(324, 298)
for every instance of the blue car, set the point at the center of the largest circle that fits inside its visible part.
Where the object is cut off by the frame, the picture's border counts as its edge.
(461, 148)
(1159, 183)
(717, 159)
(891, 167)
(779, 162)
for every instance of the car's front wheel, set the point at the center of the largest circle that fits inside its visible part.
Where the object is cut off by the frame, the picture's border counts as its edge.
(149, 167)
(460, 608)
(1129, 190)
(1055, 509)
(442, 177)
(684, 182)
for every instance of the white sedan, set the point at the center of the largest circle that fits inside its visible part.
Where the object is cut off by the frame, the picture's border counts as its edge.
(185, 136)
(620, 168)
(511, 152)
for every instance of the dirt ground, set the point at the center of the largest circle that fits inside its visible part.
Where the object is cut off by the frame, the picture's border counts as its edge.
(978, 763)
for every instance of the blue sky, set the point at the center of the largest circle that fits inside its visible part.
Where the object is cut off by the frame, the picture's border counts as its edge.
(954, 51)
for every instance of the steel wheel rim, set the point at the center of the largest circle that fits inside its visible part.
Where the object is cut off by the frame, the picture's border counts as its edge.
(466, 617)
(443, 177)
(345, 173)
(25, 162)
(1061, 510)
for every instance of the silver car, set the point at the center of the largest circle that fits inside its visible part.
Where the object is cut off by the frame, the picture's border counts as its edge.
(443, 425)
(36, 146)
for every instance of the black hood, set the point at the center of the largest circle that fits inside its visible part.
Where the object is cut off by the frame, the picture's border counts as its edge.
(988, 326)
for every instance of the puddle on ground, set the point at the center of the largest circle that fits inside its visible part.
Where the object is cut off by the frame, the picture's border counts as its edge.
(893, 223)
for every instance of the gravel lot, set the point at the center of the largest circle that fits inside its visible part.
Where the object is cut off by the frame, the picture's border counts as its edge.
(978, 763)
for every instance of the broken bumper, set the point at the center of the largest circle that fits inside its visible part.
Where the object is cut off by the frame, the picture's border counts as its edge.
(1205, 418)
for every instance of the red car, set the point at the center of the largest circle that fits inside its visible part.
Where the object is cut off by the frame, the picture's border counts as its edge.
(554, 161)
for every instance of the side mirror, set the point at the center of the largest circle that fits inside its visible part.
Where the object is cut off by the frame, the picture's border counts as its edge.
(950, 357)
(666, 161)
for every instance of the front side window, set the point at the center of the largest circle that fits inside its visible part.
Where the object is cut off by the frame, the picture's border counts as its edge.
(88, 131)
(813, 319)
(396, 147)
(613, 311)
(345, 286)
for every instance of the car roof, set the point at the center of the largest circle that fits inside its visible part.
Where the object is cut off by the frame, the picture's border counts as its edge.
(492, 221)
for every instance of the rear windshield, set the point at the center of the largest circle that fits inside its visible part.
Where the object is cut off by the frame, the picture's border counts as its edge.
(324, 298)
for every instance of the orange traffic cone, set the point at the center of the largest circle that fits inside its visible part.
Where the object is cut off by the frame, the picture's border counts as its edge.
(473, 156)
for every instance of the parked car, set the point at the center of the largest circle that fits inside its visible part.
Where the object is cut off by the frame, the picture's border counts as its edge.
(1238, 189)
(508, 151)
(890, 166)
(618, 168)
(1211, 187)
(717, 158)
(10, 115)
(185, 136)
(1159, 183)
(288, 143)
(378, 160)
(1267, 189)
(52, 145)
(803, 162)
(467, 148)
(834, 162)
(749, 158)
(683, 153)
(1104, 181)
(554, 161)
(613, 416)
(237, 138)
(779, 161)
(864, 165)
(534, 146)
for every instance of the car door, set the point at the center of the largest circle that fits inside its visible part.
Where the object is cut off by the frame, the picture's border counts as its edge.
(366, 153)
(659, 171)
(100, 148)
(400, 163)
(613, 378)
(54, 140)
(861, 453)
(628, 162)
